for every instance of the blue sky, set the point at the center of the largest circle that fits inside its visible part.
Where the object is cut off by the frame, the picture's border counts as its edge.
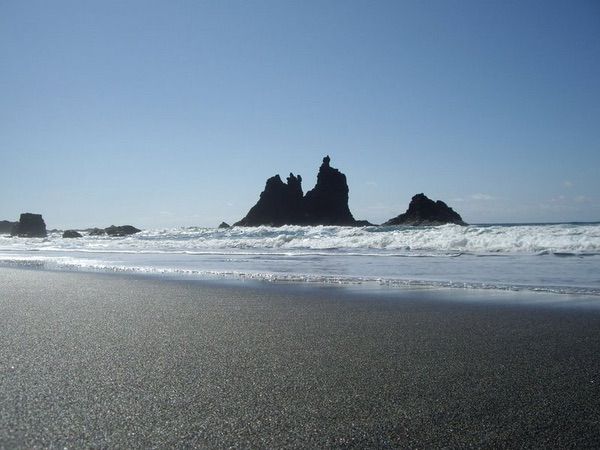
(175, 112)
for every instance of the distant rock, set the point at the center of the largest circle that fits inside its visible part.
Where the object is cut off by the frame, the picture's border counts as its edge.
(96, 232)
(424, 211)
(6, 226)
(284, 203)
(30, 225)
(123, 230)
(224, 225)
(327, 202)
(69, 234)
(279, 204)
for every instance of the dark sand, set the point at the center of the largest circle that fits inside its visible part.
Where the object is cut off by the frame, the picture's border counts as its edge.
(107, 361)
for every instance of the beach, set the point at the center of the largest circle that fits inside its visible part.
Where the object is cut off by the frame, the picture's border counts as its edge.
(119, 361)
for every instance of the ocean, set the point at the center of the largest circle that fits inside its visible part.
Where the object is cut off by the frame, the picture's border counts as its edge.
(558, 258)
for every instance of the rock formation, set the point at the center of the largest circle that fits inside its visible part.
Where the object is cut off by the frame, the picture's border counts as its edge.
(6, 226)
(426, 212)
(96, 232)
(123, 230)
(30, 225)
(327, 202)
(224, 225)
(284, 204)
(279, 204)
(69, 234)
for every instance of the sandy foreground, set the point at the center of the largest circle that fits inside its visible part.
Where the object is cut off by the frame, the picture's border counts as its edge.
(90, 360)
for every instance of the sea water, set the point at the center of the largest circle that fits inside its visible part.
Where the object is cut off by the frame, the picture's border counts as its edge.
(560, 258)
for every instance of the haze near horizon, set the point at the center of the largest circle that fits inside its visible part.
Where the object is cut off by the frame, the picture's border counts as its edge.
(173, 114)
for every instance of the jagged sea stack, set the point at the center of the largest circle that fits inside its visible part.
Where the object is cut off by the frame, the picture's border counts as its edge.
(30, 225)
(425, 212)
(327, 202)
(279, 204)
(283, 203)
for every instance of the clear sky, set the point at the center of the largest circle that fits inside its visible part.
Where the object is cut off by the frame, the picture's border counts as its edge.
(168, 113)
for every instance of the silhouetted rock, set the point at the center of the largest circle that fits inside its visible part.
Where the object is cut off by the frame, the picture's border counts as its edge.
(71, 234)
(327, 202)
(30, 225)
(283, 203)
(224, 225)
(123, 230)
(279, 204)
(6, 226)
(96, 232)
(424, 211)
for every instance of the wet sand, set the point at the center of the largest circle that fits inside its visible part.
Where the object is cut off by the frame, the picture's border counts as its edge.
(90, 360)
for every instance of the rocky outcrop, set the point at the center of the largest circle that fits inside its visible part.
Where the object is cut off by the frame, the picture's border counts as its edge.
(70, 234)
(224, 225)
(284, 204)
(424, 211)
(327, 202)
(96, 232)
(6, 226)
(279, 204)
(30, 225)
(123, 230)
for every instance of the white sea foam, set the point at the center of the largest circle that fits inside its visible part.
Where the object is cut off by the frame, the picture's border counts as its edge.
(494, 239)
(527, 256)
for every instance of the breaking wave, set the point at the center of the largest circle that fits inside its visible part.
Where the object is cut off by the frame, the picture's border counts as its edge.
(561, 258)
(560, 239)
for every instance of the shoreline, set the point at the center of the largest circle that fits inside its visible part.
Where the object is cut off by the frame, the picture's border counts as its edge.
(588, 297)
(559, 259)
(97, 360)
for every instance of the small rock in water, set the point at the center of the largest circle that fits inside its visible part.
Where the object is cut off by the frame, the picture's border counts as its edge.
(6, 226)
(68, 234)
(122, 230)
